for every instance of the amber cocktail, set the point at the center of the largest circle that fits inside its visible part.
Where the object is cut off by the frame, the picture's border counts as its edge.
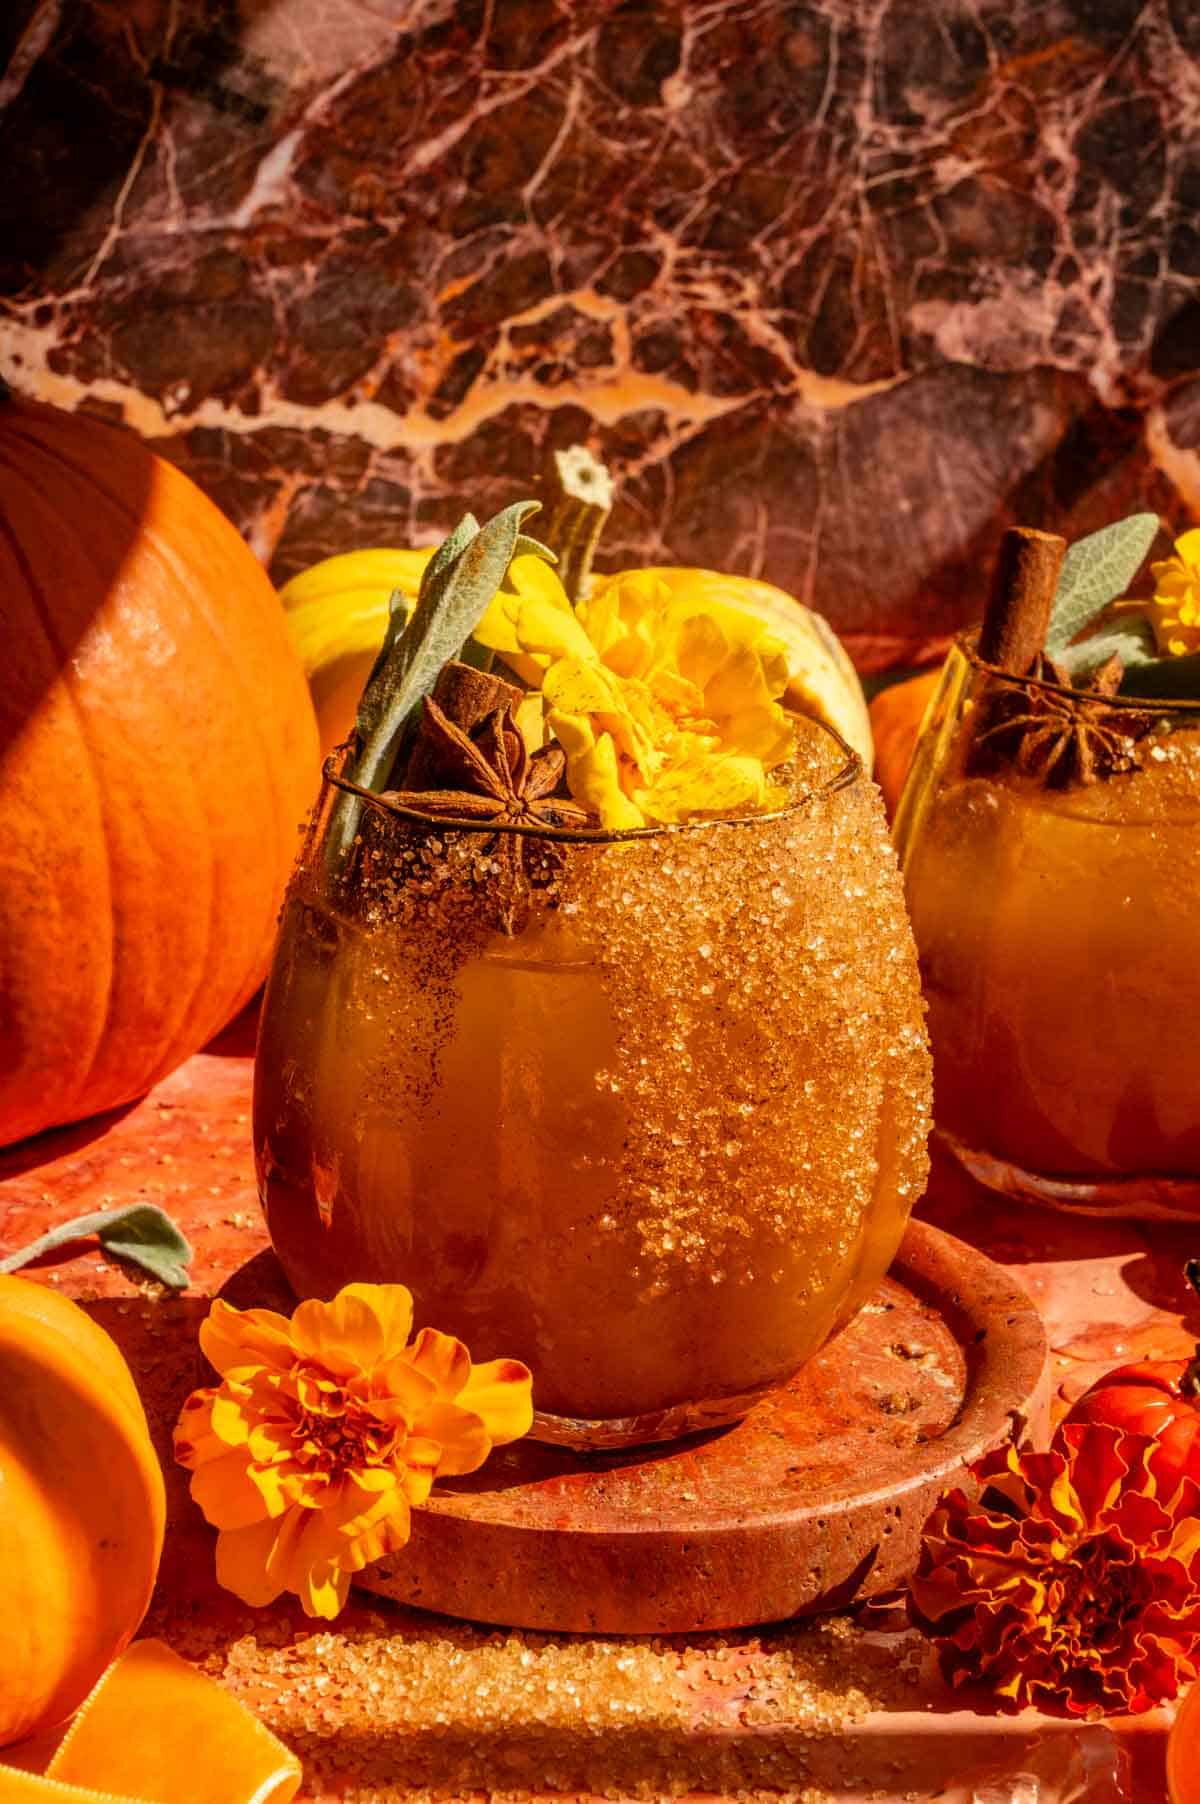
(1056, 908)
(646, 1110)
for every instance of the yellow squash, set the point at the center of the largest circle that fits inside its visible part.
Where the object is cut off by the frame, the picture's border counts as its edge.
(337, 611)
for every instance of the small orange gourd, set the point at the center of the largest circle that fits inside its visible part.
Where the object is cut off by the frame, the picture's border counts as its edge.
(896, 715)
(81, 1506)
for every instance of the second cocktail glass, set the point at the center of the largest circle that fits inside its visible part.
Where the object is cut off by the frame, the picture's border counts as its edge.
(1050, 840)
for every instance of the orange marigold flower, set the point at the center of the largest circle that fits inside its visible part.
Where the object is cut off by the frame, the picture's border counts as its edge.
(1068, 1583)
(327, 1429)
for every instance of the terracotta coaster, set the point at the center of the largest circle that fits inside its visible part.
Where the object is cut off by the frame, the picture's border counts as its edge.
(815, 1500)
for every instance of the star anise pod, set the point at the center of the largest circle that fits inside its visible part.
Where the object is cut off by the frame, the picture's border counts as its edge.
(1062, 738)
(499, 778)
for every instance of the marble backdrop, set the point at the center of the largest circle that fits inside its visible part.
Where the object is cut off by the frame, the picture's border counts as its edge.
(838, 288)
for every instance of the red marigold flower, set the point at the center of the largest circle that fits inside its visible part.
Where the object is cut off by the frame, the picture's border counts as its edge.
(1067, 1582)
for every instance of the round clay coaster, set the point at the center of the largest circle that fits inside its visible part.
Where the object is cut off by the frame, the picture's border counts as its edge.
(814, 1501)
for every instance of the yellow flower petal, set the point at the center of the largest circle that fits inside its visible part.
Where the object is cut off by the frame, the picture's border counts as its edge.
(195, 1441)
(284, 1487)
(593, 773)
(422, 1453)
(500, 1392)
(533, 579)
(418, 1483)
(323, 1589)
(1176, 607)
(228, 1418)
(530, 622)
(234, 1338)
(364, 1324)
(383, 1529)
(677, 696)
(242, 1556)
(442, 1359)
(400, 1383)
(226, 1493)
(460, 1436)
(702, 785)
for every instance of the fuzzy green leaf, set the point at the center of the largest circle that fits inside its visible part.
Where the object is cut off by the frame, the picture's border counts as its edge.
(366, 719)
(1095, 571)
(459, 582)
(453, 600)
(1132, 640)
(527, 547)
(141, 1234)
(450, 549)
(1165, 679)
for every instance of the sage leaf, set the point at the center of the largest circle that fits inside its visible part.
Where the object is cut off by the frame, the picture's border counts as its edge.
(460, 580)
(1165, 679)
(140, 1234)
(1095, 571)
(450, 549)
(454, 597)
(1132, 640)
(366, 719)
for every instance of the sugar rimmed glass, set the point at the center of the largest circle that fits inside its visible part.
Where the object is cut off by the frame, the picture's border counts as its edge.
(646, 1110)
(1056, 925)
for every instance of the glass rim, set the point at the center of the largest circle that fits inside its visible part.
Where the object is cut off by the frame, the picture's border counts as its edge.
(967, 643)
(851, 772)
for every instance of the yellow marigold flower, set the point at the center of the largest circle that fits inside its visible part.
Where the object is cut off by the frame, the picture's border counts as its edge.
(667, 706)
(531, 623)
(326, 1430)
(1177, 597)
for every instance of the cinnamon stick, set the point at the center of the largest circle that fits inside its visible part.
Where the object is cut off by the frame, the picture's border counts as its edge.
(1018, 610)
(466, 696)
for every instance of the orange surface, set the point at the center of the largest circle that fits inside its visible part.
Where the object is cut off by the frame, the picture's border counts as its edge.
(388, 1701)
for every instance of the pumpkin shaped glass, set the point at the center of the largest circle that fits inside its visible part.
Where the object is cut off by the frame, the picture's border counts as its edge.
(1052, 867)
(646, 1110)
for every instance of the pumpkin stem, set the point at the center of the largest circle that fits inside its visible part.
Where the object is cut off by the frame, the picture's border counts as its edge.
(579, 503)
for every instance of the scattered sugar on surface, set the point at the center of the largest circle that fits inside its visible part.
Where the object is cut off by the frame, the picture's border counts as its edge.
(447, 1711)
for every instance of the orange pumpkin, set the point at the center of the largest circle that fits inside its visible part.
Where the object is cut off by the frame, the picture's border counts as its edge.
(157, 754)
(81, 1506)
(896, 715)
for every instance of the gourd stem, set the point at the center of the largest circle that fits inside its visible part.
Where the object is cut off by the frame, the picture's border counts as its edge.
(579, 503)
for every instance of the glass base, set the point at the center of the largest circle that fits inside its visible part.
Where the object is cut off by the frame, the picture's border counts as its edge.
(1138, 1198)
(588, 1435)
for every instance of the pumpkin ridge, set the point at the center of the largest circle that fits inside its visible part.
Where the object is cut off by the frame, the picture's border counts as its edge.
(88, 1065)
(284, 843)
(173, 1027)
(167, 472)
(183, 1038)
(173, 1031)
(171, 624)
